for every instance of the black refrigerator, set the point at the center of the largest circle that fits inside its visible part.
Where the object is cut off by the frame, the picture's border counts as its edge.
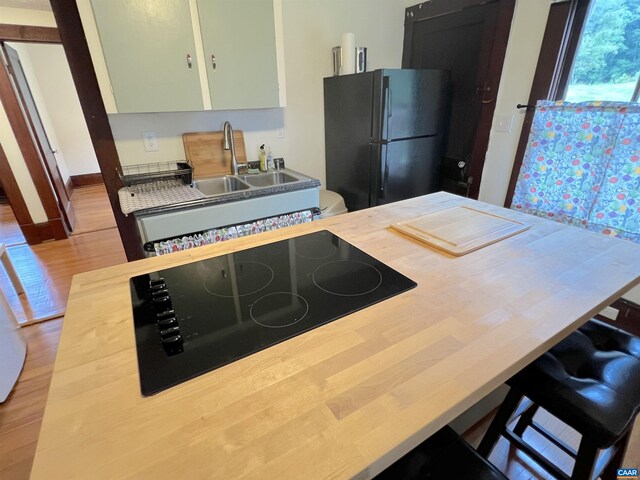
(383, 134)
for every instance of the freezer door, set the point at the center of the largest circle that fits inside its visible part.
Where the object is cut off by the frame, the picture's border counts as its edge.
(409, 103)
(407, 169)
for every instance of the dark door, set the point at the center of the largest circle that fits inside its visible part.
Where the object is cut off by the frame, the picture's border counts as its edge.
(469, 38)
(406, 169)
(412, 103)
(39, 135)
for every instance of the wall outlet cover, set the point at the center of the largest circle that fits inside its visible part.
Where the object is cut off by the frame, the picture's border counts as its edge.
(150, 141)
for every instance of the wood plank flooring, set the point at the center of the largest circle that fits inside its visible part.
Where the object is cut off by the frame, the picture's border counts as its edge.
(10, 233)
(21, 413)
(46, 269)
(90, 204)
(92, 208)
(517, 466)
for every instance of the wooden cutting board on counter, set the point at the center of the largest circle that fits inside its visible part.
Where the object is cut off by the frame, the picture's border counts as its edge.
(205, 151)
(460, 230)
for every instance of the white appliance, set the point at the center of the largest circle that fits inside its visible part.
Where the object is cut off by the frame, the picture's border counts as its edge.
(13, 349)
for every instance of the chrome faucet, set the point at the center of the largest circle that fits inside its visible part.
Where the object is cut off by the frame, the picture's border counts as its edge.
(229, 143)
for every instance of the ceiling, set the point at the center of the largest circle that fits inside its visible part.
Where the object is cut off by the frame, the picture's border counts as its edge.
(28, 4)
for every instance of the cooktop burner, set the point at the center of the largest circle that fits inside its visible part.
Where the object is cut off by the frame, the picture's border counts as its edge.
(195, 318)
(279, 309)
(347, 278)
(231, 279)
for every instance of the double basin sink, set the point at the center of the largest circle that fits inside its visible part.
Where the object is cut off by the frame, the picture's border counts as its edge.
(236, 183)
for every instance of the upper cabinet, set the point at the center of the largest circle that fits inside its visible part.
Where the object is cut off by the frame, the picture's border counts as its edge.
(150, 52)
(239, 41)
(186, 55)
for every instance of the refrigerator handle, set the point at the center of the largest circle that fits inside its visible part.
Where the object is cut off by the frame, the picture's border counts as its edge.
(384, 170)
(388, 103)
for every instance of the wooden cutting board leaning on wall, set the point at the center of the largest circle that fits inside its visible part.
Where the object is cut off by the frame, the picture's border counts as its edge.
(205, 151)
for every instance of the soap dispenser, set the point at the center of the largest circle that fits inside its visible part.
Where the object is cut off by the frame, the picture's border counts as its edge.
(270, 165)
(262, 156)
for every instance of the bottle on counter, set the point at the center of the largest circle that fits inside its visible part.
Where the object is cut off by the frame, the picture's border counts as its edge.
(270, 165)
(262, 156)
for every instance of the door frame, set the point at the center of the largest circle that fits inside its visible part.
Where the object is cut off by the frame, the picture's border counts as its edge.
(498, 36)
(39, 135)
(55, 227)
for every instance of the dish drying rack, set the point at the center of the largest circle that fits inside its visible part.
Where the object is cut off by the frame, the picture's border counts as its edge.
(152, 172)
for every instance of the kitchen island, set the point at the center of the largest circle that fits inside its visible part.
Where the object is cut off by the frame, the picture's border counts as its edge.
(343, 400)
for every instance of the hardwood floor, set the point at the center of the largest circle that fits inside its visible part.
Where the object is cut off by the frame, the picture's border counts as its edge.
(90, 204)
(46, 269)
(10, 233)
(517, 466)
(92, 208)
(21, 413)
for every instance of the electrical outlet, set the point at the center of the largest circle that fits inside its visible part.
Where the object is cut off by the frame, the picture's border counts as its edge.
(610, 312)
(280, 132)
(503, 123)
(150, 141)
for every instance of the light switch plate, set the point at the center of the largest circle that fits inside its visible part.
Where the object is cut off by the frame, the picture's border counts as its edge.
(503, 123)
(150, 141)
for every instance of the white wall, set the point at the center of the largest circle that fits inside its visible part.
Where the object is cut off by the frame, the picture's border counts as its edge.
(23, 16)
(7, 139)
(59, 97)
(36, 92)
(311, 29)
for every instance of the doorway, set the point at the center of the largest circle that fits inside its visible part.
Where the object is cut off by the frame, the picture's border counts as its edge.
(49, 131)
(468, 38)
(39, 136)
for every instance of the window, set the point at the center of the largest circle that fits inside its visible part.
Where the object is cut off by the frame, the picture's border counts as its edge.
(607, 63)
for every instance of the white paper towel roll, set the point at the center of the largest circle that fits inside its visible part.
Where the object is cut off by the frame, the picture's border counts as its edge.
(348, 54)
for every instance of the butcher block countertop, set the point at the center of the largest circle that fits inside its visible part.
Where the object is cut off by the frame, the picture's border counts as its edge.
(346, 399)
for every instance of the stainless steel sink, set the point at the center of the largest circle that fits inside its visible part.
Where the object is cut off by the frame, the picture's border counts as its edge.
(219, 185)
(269, 179)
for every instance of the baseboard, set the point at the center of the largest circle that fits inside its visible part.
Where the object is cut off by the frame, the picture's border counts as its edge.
(35, 233)
(86, 179)
(68, 185)
(628, 316)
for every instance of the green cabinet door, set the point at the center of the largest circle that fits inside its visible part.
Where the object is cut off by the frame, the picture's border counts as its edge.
(148, 46)
(239, 43)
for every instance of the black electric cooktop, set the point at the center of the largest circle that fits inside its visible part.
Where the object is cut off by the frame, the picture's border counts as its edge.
(195, 318)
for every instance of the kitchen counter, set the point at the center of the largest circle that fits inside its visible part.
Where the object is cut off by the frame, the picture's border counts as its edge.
(346, 399)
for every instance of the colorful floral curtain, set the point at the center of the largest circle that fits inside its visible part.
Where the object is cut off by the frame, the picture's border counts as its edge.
(581, 166)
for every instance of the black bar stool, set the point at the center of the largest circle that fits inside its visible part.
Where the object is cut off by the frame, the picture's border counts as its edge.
(591, 382)
(442, 456)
